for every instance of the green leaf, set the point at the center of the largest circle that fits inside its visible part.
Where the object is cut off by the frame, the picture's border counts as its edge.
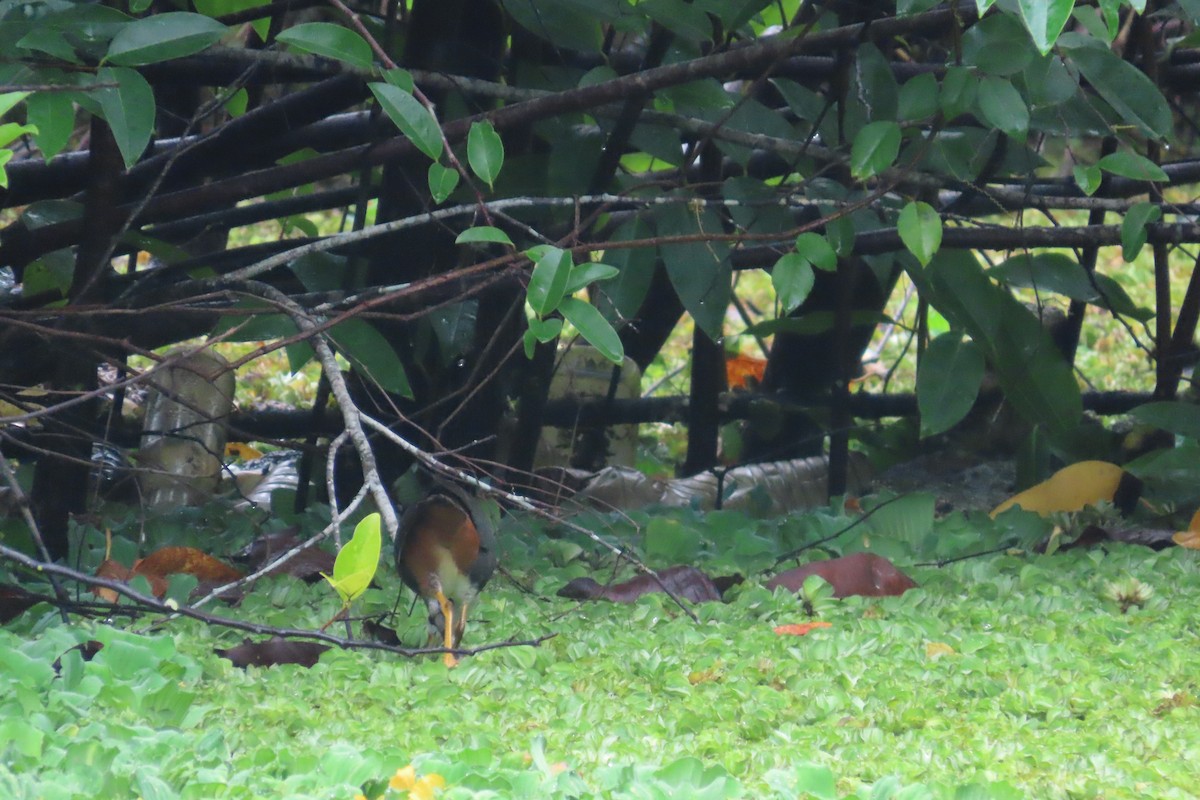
(328, 40)
(593, 327)
(815, 249)
(919, 97)
(817, 781)
(548, 282)
(13, 130)
(959, 87)
(1045, 20)
(1003, 106)
(485, 151)
(948, 381)
(793, 278)
(162, 37)
(128, 109)
(442, 181)
(1029, 367)
(545, 330)
(1126, 88)
(622, 297)
(920, 228)
(370, 353)
(1055, 272)
(875, 149)
(587, 273)
(1133, 228)
(1132, 165)
(412, 118)
(483, 233)
(1087, 178)
(1182, 419)
(357, 561)
(699, 271)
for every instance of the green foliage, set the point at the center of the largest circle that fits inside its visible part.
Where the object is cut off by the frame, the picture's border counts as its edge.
(412, 118)
(948, 381)
(485, 151)
(920, 229)
(163, 37)
(357, 561)
(332, 41)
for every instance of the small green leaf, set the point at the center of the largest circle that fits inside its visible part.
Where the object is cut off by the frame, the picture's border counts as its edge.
(875, 149)
(815, 249)
(1131, 165)
(1087, 178)
(13, 130)
(593, 327)
(401, 79)
(442, 181)
(1003, 106)
(483, 233)
(587, 273)
(485, 151)
(1125, 87)
(959, 87)
(357, 561)
(371, 354)
(162, 37)
(948, 381)
(545, 330)
(793, 278)
(128, 109)
(548, 282)
(412, 118)
(1133, 228)
(1045, 20)
(328, 40)
(920, 229)
(919, 97)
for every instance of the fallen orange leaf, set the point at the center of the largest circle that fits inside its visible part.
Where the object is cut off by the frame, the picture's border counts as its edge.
(188, 560)
(741, 370)
(801, 628)
(1189, 539)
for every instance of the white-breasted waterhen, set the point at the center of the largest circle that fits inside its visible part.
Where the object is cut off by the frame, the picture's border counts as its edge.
(446, 552)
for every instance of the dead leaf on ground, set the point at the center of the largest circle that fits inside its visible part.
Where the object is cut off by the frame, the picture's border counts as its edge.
(1074, 487)
(800, 628)
(113, 571)
(160, 565)
(866, 574)
(272, 652)
(15, 601)
(87, 650)
(687, 582)
(306, 565)
(1191, 537)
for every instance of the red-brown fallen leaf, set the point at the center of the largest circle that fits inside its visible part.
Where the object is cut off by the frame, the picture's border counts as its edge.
(687, 582)
(185, 560)
(741, 370)
(113, 571)
(800, 628)
(865, 574)
(275, 650)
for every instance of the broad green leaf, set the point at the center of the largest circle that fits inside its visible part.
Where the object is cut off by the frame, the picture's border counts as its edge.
(948, 381)
(548, 282)
(700, 271)
(919, 97)
(162, 37)
(12, 130)
(817, 781)
(1180, 418)
(1087, 178)
(545, 330)
(875, 149)
(1045, 20)
(9, 100)
(920, 228)
(1055, 272)
(622, 297)
(876, 82)
(1132, 165)
(128, 109)
(485, 151)
(256, 323)
(401, 79)
(593, 327)
(412, 118)
(442, 181)
(1003, 106)
(587, 273)
(817, 250)
(357, 561)
(959, 88)
(683, 19)
(483, 233)
(372, 354)
(793, 278)
(1126, 88)
(563, 25)
(1133, 228)
(328, 40)
(1029, 367)
(998, 44)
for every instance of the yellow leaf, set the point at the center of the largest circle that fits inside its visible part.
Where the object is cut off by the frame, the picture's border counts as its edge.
(427, 786)
(1070, 489)
(241, 451)
(1189, 539)
(935, 650)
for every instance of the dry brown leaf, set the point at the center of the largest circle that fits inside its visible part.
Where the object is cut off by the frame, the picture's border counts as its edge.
(273, 651)
(186, 560)
(744, 372)
(1189, 539)
(687, 582)
(113, 571)
(866, 574)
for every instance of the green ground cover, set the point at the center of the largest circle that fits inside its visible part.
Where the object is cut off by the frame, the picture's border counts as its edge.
(1006, 676)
